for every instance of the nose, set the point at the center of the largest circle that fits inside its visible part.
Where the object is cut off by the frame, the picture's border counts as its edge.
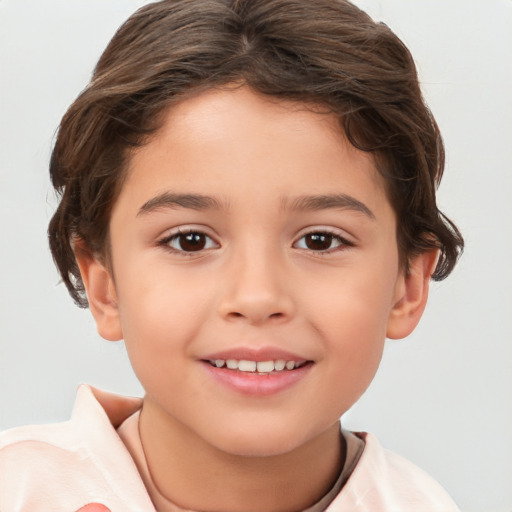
(256, 289)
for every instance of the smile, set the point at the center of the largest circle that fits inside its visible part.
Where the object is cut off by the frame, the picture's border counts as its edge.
(257, 378)
(260, 367)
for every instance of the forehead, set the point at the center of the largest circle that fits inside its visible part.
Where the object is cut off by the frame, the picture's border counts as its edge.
(235, 143)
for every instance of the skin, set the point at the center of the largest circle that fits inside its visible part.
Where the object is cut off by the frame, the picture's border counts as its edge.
(256, 283)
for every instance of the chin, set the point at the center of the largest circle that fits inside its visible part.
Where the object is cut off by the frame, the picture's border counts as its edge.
(245, 448)
(258, 442)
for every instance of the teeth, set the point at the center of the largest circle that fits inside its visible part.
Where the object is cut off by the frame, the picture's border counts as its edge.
(244, 365)
(265, 366)
(279, 365)
(247, 366)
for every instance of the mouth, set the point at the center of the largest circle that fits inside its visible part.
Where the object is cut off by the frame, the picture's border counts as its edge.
(258, 367)
(257, 372)
(257, 375)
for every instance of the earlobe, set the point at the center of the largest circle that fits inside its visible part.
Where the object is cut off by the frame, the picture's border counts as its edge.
(411, 295)
(101, 294)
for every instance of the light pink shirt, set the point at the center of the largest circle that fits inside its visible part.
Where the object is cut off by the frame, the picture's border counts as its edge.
(83, 465)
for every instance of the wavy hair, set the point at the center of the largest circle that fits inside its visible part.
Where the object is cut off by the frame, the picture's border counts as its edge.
(319, 52)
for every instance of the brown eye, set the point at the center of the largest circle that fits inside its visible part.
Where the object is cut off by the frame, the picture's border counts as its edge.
(321, 242)
(318, 241)
(190, 242)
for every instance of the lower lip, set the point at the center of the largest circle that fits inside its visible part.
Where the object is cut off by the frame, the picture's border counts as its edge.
(258, 384)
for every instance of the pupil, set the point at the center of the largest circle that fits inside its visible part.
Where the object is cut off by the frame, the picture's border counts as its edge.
(318, 241)
(192, 241)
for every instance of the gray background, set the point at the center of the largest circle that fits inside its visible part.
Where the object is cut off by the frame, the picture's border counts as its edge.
(442, 398)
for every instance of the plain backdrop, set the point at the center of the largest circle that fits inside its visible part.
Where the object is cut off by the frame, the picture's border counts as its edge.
(443, 397)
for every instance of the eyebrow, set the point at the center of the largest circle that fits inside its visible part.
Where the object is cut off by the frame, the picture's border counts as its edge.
(172, 200)
(332, 201)
(302, 203)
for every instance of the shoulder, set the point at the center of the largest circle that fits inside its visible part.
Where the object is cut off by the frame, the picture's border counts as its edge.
(384, 481)
(70, 465)
(40, 466)
(23, 447)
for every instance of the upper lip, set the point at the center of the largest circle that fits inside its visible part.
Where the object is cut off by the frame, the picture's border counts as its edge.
(255, 354)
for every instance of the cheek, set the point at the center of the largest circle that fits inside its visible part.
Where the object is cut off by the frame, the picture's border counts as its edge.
(161, 311)
(354, 306)
(351, 316)
(158, 316)
(159, 328)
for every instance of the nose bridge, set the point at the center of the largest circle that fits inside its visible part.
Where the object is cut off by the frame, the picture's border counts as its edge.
(256, 285)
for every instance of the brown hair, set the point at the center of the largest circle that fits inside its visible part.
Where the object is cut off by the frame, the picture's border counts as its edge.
(321, 52)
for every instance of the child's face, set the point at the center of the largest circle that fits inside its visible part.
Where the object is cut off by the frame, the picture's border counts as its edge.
(288, 252)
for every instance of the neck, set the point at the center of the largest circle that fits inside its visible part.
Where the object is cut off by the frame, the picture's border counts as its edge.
(195, 475)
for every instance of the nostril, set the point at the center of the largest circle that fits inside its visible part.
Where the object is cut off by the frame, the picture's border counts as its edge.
(255, 317)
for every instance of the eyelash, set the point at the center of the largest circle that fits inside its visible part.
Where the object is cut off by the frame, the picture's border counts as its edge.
(166, 241)
(343, 243)
(334, 237)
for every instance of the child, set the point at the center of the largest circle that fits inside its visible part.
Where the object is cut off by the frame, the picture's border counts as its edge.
(248, 200)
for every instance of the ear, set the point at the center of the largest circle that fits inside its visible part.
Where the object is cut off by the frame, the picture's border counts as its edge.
(411, 295)
(101, 294)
